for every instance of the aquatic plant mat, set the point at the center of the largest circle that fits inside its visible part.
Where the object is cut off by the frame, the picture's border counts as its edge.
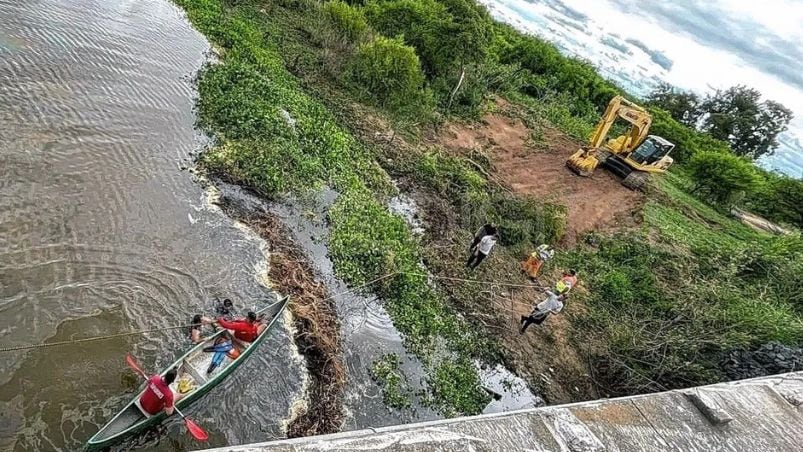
(317, 330)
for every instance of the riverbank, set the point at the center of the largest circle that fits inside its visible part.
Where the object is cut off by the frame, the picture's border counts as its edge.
(272, 138)
(287, 119)
(316, 326)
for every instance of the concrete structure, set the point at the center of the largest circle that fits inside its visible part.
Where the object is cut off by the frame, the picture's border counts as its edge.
(762, 415)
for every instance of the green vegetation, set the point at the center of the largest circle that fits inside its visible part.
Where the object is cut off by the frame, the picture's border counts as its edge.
(395, 391)
(693, 284)
(347, 20)
(778, 198)
(388, 72)
(521, 221)
(272, 137)
(449, 377)
(722, 177)
(664, 303)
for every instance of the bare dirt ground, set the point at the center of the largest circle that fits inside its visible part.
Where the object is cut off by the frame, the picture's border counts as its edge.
(548, 356)
(540, 170)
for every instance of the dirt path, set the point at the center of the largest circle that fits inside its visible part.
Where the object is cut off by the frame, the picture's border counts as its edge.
(593, 203)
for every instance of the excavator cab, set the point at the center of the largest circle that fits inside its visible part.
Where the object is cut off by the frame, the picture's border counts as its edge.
(632, 155)
(652, 150)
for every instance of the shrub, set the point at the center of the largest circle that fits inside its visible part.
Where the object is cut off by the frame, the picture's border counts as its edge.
(722, 177)
(389, 72)
(779, 199)
(350, 21)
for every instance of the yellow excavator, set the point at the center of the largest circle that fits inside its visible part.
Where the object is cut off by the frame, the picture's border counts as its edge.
(632, 156)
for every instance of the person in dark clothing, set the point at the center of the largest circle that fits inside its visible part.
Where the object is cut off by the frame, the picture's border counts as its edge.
(486, 229)
(225, 308)
(536, 317)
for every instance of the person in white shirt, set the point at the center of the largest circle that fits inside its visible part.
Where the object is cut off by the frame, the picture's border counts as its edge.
(552, 305)
(482, 250)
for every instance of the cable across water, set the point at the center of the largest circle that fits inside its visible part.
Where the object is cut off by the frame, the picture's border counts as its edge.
(345, 292)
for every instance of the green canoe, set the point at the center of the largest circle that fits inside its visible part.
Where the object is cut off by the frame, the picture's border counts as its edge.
(192, 367)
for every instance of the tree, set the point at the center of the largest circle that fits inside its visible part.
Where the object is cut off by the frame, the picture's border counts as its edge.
(681, 105)
(446, 34)
(789, 193)
(388, 71)
(738, 116)
(780, 200)
(723, 177)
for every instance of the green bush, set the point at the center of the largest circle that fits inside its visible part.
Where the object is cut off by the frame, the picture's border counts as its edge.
(449, 380)
(780, 199)
(722, 177)
(386, 372)
(446, 34)
(388, 72)
(688, 141)
(350, 21)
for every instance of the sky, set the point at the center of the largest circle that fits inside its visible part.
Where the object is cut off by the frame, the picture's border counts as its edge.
(712, 45)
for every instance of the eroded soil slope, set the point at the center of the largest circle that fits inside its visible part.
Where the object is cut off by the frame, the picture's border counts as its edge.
(539, 169)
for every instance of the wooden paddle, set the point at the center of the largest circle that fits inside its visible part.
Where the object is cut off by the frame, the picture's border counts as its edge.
(195, 430)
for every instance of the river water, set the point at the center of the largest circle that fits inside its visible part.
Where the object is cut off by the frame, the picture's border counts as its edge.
(101, 231)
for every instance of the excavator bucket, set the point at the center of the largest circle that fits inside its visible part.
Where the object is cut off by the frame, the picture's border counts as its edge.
(583, 162)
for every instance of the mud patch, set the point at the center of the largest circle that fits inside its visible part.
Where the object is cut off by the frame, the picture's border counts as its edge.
(539, 170)
(317, 328)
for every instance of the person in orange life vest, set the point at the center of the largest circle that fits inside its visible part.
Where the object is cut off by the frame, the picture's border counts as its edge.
(532, 266)
(246, 330)
(157, 395)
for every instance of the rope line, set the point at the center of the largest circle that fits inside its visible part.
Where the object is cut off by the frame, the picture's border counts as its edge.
(101, 338)
(345, 292)
(90, 339)
(477, 281)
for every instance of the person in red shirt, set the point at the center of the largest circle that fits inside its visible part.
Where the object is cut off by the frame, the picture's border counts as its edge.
(157, 395)
(246, 330)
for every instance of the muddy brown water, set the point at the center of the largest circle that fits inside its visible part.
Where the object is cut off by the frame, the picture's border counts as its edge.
(101, 231)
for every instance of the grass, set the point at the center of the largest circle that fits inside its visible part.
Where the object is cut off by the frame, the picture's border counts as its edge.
(274, 138)
(668, 302)
(665, 303)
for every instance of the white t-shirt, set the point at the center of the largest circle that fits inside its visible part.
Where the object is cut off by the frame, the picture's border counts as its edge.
(551, 304)
(486, 244)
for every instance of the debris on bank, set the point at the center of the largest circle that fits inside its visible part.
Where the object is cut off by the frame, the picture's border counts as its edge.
(317, 327)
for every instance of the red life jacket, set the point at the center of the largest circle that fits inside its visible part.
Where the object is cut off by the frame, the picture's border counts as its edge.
(157, 396)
